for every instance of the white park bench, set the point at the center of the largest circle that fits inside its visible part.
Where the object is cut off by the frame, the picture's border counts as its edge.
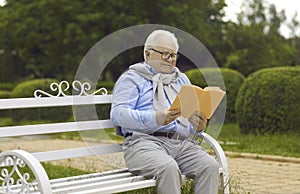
(119, 180)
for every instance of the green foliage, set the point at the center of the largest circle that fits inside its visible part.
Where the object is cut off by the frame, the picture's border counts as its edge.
(108, 85)
(49, 38)
(7, 86)
(255, 42)
(231, 78)
(26, 89)
(268, 101)
(5, 94)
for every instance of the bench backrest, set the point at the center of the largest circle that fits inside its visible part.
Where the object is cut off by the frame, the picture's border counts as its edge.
(60, 127)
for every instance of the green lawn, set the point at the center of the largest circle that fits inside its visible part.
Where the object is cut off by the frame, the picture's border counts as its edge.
(286, 144)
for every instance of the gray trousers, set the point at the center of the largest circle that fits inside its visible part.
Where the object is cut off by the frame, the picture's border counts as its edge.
(166, 159)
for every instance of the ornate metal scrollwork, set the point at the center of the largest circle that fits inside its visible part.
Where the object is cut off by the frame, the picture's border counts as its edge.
(81, 89)
(13, 179)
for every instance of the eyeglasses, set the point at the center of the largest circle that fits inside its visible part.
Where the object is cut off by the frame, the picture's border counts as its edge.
(166, 55)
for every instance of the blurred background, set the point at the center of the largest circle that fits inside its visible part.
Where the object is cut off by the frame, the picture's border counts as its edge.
(256, 44)
(45, 41)
(49, 38)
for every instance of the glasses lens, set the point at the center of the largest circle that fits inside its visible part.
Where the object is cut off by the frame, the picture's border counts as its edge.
(173, 56)
(167, 55)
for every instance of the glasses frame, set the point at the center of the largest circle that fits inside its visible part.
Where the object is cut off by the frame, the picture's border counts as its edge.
(166, 53)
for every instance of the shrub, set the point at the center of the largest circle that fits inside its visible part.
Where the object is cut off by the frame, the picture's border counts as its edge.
(107, 85)
(5, 94)
(26, 89)
(232, 81)
(268, 101)
(7, 86)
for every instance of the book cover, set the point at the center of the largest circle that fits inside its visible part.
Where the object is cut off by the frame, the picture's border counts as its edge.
(193, 98)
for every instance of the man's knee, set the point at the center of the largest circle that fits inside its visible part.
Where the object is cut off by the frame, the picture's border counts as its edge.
(170, 169)
(211, 167)
(214, 165)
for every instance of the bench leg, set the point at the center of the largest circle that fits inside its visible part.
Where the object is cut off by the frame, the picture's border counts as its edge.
(15, 178)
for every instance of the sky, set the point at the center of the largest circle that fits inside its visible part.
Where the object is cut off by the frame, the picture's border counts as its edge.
(234, 7)
(290, 7)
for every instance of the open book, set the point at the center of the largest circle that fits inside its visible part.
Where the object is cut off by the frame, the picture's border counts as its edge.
(191, 98)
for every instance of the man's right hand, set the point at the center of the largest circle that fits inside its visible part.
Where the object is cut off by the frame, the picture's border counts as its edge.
(164, 117)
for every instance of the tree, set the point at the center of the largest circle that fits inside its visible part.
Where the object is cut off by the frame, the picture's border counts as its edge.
(49, 38)
(256, 40)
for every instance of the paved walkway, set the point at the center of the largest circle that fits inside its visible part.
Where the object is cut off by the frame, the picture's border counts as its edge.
(258, 176)
(267, 175)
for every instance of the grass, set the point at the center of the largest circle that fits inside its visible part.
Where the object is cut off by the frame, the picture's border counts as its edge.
(285, 144)
(53, 171)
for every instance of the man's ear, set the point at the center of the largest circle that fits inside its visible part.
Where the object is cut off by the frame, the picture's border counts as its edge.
(147, 53)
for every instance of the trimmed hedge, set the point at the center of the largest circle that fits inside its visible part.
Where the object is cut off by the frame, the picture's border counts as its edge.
(6, 86)
(232, 81)
(268, 101)
(5, 94)
(107, 85)
(26, 89)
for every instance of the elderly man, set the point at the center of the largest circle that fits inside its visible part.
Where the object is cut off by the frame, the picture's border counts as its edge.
(157, 141)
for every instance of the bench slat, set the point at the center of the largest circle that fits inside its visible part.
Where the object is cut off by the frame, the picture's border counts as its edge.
(94, 184)
(18, 103)
(77, 152)
(86, 176)
(119, 188)
(38, 129)
(91, 180)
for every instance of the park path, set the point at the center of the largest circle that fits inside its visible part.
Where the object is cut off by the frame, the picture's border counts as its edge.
(266, 175)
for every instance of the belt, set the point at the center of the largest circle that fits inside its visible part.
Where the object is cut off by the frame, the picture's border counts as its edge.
(170, 135)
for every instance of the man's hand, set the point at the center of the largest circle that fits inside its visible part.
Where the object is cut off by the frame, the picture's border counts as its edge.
(164, 117)
(198, 121)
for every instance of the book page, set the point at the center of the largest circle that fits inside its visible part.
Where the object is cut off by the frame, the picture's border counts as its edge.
(192, 98)
(209, 100)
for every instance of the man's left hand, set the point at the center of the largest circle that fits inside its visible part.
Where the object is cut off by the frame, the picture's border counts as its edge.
(198, 121)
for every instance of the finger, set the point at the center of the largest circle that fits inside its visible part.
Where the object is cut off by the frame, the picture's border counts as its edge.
(193, 120)
(174, 112)
(200, 116)
(197, 113)
(173, 117)
(194, 117)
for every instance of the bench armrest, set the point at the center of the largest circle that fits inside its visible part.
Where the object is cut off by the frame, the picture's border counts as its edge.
(221, 158)
(15, 177)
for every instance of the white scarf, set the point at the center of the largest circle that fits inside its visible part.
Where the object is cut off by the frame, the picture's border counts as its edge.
(162, 83)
